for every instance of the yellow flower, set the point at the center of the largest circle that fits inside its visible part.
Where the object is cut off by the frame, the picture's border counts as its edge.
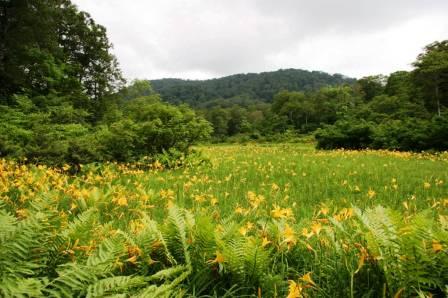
(309, 247)
(316, 228)
(436, 246)
(306, 234)
(167, 194)
(295, 290)
(199, 198)
(265, 241)
(243, 231)
(289, 236)
(239, 210)
(122, 201)
(344, 214)
(426, 185)
(187, 186)
(251, 195)
(324, 210)
(277, 212)
(73, 206)
(371, 193)
(132, 260)
(275, 187)
(254, 199)
(213, 201)
(157, 165)
(287, 212)
(406, 206)
(307, 278)
(218, 259)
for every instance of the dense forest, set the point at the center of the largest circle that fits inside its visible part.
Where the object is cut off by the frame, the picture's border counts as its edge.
(405, 110)
(63, 99)
(244, 88)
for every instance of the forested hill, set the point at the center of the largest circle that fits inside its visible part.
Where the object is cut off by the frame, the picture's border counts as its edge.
(244, 88)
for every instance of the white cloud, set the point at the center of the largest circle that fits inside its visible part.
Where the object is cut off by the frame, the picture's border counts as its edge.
(203, 39)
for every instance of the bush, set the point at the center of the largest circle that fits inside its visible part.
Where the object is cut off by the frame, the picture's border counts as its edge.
(345, 134)
(410, 134)
(146, 127)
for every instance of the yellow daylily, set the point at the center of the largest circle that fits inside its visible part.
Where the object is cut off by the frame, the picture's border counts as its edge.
(295, 290)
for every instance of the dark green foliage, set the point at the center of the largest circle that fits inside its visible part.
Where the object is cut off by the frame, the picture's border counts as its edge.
(372, 86)
(62, 99)
(431, 76)
(58, 93)
(408, 134)
(406, 113)
(345, 134)
(252, 87)
(146, 128)
(51, 47)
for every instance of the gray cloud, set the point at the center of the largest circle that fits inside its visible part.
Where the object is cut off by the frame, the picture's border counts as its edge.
(202, 39)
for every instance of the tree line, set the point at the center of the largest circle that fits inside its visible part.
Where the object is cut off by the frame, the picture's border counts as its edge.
(244, 88)
(63, 98)
(406, 110)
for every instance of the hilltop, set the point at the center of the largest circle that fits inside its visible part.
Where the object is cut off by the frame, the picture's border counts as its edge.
(244, 88)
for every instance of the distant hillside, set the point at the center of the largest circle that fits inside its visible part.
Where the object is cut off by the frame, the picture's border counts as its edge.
(244, 88)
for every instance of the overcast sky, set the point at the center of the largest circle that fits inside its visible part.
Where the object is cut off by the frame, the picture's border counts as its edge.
(199, 39)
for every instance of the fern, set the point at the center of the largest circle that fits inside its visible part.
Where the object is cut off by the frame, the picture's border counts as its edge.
(77, 228)
(403, 250)
(115, 285)
(74, 278)
(21, 287)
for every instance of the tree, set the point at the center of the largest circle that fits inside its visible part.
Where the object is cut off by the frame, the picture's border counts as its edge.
(431, 72)
(400, 84)
(137, 88)
(59, 93)
(51, 47)
(219, 118)
(372, 86)
(296, 106)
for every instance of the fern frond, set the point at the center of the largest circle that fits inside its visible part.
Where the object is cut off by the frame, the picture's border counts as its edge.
(78, 227)
(23, 287)
(8, 223)
(115, 285)
(106, 255)
(22, 253)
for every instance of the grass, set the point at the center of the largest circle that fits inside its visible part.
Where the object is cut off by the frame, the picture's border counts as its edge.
(310, 178)
(260, 220)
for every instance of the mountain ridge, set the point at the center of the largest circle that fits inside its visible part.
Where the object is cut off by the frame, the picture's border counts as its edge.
(257, 87)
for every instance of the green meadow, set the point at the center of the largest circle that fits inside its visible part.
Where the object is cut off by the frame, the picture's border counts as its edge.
(251, 220)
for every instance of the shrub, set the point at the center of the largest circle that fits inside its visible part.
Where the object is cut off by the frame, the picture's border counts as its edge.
(345, 134)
